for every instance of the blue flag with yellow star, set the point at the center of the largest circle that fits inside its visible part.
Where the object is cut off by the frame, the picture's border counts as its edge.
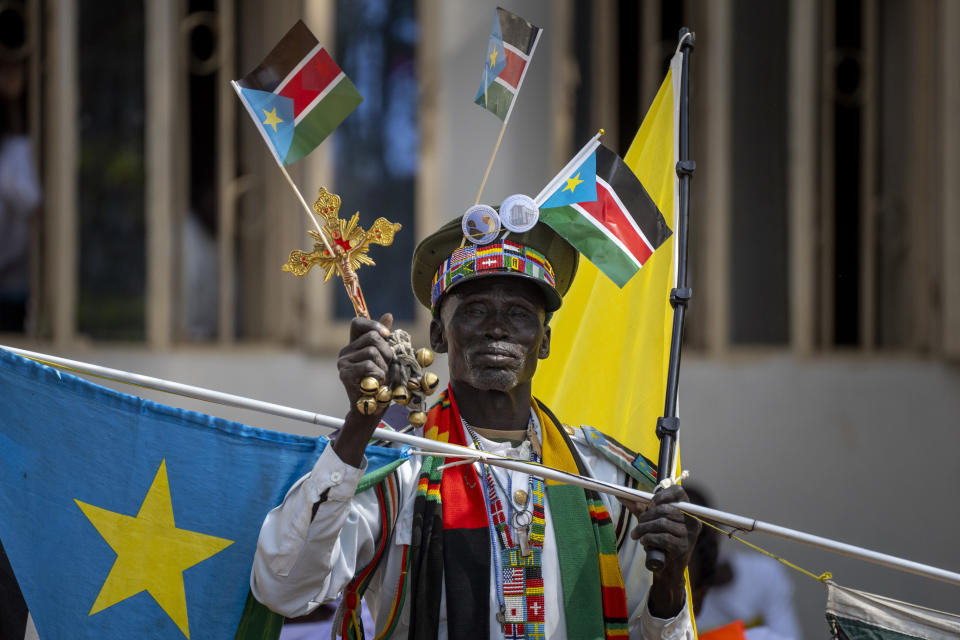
(509, 51)
(124, 518)
(578, 185)
(275, 115)
(496, 59)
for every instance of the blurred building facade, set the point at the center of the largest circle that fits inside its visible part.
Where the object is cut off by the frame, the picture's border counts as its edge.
(825, 207)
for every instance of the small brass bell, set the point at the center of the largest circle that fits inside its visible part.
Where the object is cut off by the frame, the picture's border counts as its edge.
(429, 382)
(367, 405)
(424, 357)
(417, 418)
(384, 396)
(401, 395)
(413, 384)
(369, 386)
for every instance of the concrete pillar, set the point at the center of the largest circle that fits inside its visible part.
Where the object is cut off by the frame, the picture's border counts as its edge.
(715, 171)
(949, 168)
(802, 172)
(60, 150)
(162, 120)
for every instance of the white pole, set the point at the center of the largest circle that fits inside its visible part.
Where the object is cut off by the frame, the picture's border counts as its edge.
(197, 393)
(732, 520)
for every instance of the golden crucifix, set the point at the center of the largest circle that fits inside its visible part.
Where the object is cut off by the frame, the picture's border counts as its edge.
(341, 246)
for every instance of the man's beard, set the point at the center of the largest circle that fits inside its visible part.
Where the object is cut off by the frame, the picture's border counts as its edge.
(493, 379)
(502, 377)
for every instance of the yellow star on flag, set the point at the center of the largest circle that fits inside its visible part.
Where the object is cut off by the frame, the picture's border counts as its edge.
(272, 118)
(573, 182)
(152, 553)
(493, 58)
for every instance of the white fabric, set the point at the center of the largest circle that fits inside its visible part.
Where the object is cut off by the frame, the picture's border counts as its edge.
(889, 614)
(31, 631)
(764, 633)
(322, 630)
(302, 562)
(306, 631)
(761, 593)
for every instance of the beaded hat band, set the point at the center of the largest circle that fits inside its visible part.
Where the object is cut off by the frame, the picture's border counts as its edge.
(443, 260)
(506, 257)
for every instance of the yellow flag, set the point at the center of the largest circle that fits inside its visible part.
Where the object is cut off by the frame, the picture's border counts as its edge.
(610, 347)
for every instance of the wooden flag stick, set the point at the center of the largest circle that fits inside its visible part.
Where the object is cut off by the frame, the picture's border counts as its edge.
(340, 255)
(506, 119)
(266, 139)
(486, 174)
(307, 209)
(347, 274)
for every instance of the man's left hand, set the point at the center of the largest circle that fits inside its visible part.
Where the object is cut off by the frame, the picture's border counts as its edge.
(660, 525)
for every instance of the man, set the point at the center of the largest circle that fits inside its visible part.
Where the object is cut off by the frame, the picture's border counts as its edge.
(472, 551)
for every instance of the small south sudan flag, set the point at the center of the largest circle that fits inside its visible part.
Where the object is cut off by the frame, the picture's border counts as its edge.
(297, 95)
(619, 229)
(859, 615)
(512, 42)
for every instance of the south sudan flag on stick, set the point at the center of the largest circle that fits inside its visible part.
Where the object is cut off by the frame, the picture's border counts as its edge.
(512, 43)
(297, 95)
(620, 229)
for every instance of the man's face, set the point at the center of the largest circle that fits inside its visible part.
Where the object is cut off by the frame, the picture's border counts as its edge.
(493, 332)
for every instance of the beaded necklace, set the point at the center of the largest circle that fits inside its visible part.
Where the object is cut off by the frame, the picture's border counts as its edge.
(519, 548)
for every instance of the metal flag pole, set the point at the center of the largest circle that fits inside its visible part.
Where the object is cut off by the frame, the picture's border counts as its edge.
(434, 447)
(669, 425)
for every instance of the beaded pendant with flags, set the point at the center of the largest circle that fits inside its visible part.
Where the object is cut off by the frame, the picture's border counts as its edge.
(297, 95)
(512, 43)
(619, 228)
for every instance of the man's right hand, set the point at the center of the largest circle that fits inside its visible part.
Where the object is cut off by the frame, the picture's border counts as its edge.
(367, 355)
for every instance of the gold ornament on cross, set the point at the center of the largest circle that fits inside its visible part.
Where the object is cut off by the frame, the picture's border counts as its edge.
(341, 247)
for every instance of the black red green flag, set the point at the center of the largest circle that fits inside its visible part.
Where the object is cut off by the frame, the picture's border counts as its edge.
(511, 46)
(297, 95)
(620, 229)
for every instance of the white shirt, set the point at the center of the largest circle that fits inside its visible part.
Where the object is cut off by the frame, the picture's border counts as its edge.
(761, 592)
(303, 561)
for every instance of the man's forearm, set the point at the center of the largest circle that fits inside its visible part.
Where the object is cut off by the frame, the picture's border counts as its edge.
(667, 596)
(353, 438)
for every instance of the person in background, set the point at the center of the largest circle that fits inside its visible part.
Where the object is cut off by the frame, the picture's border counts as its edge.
(19, 196)
(738, 594)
